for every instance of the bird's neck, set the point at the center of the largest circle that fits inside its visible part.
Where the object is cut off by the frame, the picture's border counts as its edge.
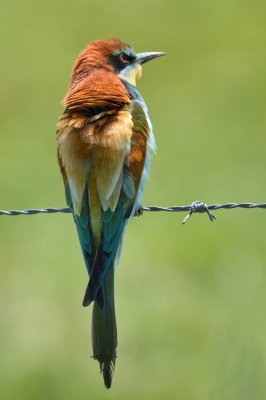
(131, 74)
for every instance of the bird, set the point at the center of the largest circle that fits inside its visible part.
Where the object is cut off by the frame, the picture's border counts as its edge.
(104, 145)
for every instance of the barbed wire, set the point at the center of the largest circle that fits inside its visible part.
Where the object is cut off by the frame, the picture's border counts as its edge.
(196, 207)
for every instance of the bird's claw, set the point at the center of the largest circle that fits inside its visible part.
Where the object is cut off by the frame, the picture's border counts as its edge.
(138, 212)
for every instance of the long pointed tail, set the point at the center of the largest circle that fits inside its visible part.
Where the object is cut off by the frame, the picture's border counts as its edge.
(104, 332)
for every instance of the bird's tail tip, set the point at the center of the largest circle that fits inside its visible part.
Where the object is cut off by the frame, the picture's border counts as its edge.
(107, 368)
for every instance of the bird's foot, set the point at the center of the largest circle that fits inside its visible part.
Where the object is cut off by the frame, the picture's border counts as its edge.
(139, 211)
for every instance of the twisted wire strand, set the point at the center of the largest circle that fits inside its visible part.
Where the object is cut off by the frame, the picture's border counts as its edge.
(196, 207)
(33, 211)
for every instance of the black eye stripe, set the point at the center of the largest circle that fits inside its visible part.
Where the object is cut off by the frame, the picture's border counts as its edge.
(120, 60)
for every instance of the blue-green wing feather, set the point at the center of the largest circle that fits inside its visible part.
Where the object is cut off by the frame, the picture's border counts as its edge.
(114, 221)
(83, 226)
(113, 226)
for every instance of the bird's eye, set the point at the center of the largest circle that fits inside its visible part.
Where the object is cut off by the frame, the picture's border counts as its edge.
(124, 58)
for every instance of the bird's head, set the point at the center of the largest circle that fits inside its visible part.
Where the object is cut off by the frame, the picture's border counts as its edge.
(115, 56)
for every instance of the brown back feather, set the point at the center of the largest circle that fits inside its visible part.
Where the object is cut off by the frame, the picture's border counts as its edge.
(94, 82)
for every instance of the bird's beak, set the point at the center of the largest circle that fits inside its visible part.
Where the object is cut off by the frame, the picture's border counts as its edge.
(144, 57)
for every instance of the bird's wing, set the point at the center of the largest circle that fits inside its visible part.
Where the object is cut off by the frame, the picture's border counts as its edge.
(82, 219)
(114, 220)
(102, 153)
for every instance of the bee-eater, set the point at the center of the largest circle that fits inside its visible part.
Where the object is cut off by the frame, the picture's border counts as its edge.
(104, 144)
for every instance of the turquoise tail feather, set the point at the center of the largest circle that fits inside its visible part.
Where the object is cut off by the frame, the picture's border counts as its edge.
(100, 256)
(104, 331)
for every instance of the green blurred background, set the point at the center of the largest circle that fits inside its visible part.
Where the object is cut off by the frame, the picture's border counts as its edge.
(190, 299)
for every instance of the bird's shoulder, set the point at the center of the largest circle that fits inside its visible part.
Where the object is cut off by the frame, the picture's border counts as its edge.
(138, 110)
(142, 140)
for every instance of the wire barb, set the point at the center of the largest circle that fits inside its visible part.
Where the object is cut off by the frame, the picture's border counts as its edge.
(199, 207)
